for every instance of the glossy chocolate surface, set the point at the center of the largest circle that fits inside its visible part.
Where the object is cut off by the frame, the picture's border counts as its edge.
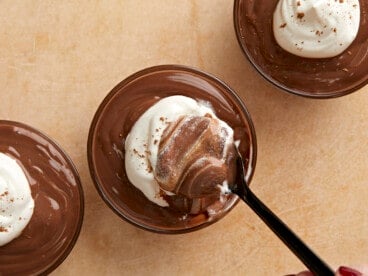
(116, 116)
(57, 192)
(193, 159)
(319, 78)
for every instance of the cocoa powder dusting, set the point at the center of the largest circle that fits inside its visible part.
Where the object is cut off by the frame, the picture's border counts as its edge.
(4, 194)
(300, 15)
(3, 229)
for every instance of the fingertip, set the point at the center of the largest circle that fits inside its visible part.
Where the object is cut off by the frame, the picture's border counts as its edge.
(347, 271)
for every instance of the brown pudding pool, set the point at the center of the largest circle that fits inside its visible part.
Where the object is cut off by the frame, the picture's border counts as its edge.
(316, 78)
(118, 113)
(57, 192)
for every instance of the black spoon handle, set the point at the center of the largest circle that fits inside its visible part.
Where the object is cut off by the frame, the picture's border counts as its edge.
(295, 244)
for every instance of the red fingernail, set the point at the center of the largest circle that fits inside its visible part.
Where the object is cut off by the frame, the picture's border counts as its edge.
(347, 271)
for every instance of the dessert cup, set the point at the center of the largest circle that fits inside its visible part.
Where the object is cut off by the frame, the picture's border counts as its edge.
(59, 204)
(115, 117)
(314, 78)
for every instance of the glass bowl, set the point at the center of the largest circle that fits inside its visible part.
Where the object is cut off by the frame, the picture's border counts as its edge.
(56, 189)
(115, 117)
(314, 78)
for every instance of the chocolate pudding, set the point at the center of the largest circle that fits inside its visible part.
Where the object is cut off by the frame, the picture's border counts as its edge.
(58, 202)
(310, 77)
(193, 158)
(114, 120)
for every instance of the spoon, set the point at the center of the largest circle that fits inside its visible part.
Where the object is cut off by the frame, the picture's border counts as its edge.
(291, 240)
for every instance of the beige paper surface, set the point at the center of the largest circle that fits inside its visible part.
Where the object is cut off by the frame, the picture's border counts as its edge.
(59, 59)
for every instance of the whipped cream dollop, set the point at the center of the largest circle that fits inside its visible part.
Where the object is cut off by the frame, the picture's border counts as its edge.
(142, 143)
(316, 28)
(16, 202)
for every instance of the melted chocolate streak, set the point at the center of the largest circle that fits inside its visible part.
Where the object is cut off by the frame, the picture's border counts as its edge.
(56, 189)
(347, 70)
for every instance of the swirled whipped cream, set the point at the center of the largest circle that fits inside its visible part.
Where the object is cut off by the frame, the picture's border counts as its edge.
(16, 202)
(316, 28)
(176, 147)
